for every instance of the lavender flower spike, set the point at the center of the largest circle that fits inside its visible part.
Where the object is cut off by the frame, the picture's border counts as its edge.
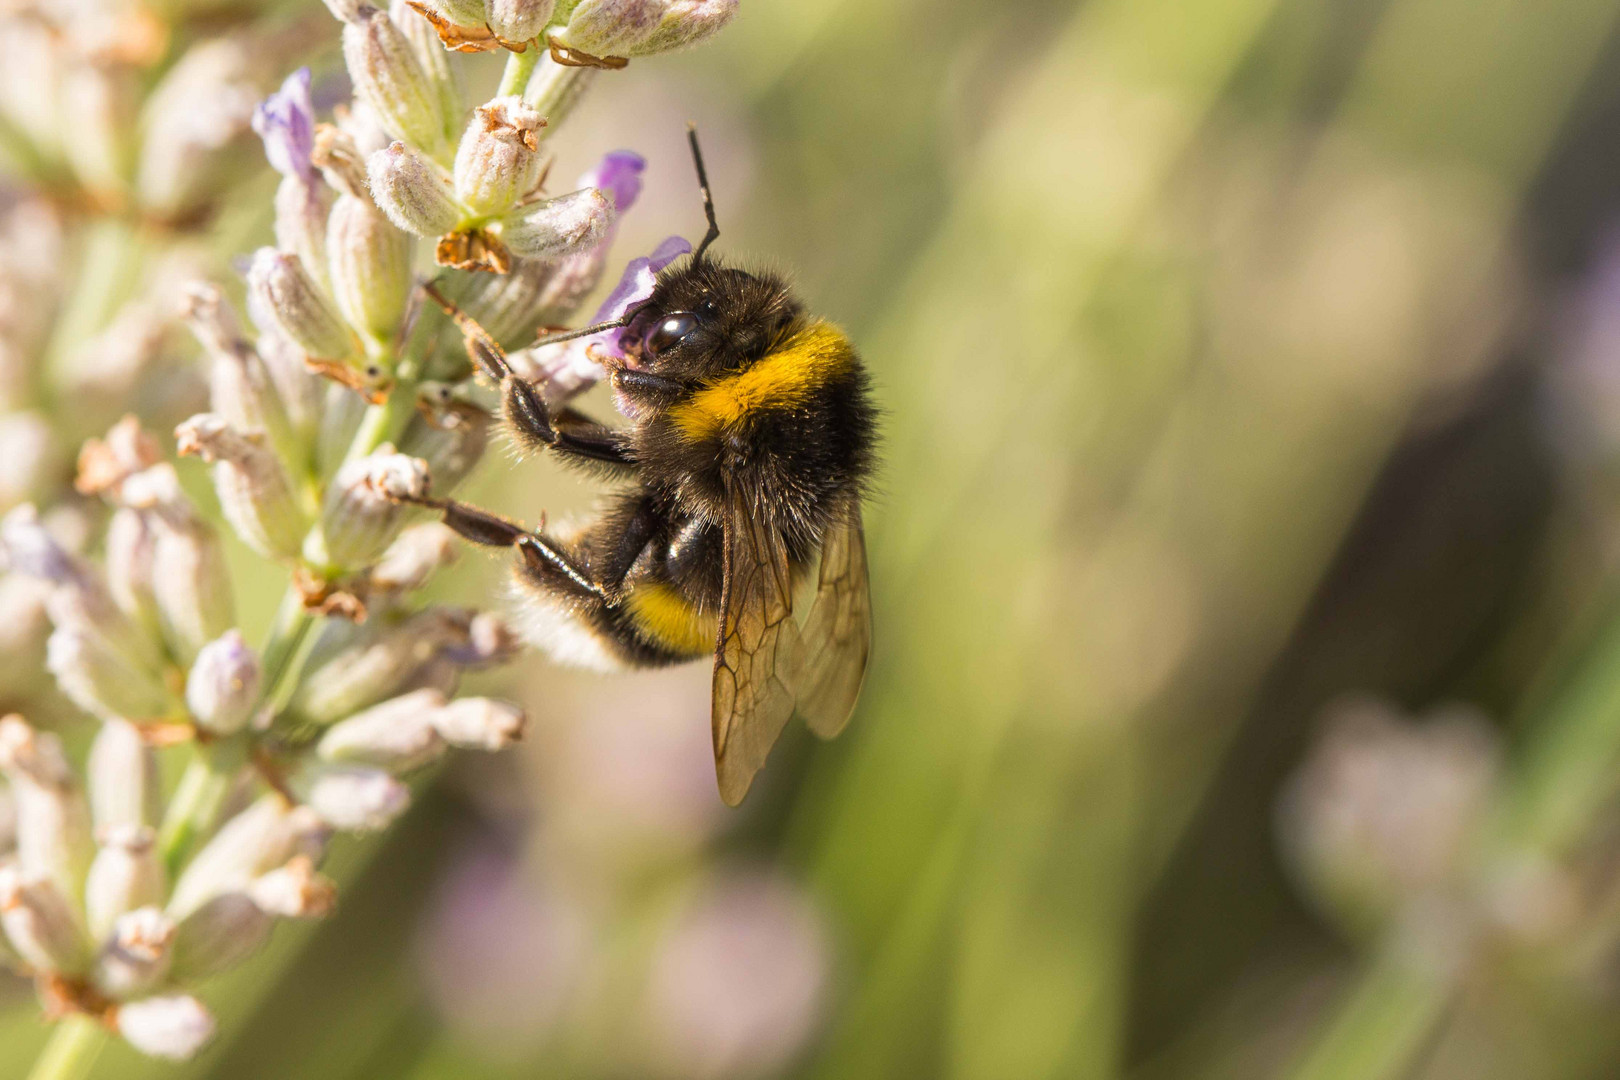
(286, 122)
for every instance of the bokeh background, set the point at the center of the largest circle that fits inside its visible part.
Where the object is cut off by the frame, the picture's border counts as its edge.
(1246, 696)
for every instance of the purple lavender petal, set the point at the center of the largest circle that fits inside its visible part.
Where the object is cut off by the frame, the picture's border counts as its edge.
(640, 275)
(286, 122)
(618, 172)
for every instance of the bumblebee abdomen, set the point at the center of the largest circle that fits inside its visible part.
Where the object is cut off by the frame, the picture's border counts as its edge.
(670, 621)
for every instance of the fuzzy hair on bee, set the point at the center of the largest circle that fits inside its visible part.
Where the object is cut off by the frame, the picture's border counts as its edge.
(744, 464)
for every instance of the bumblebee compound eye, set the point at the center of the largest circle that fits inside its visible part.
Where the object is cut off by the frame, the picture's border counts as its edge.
(669, 331)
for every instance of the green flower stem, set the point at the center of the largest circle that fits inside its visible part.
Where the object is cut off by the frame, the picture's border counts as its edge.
(519, 66)
(285, 644)
(1383, 1024)
(72, 1051)
(554, 89)
(195, 806)
(1571, 768)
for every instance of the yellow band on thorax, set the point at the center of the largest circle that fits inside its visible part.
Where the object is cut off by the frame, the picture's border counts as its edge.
(783, 378)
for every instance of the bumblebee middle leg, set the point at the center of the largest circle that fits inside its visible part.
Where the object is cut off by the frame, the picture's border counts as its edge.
(544, 556)
(541, 554)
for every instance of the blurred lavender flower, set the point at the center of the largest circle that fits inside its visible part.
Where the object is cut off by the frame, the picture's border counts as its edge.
(738, 981)
(501, 954)
(1382, 813)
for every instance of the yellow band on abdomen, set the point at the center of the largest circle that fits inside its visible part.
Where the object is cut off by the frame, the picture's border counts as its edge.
(669, 620)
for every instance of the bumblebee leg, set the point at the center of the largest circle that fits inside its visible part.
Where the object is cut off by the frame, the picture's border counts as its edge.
(539, 553)
(545, 560)
(525, 410)
(471, 523)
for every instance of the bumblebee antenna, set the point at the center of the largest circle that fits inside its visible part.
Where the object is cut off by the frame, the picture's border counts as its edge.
(708, 200)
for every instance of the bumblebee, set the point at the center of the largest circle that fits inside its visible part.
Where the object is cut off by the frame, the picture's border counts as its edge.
(744, 464)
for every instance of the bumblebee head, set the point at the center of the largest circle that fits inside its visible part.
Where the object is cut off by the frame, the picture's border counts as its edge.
(703, 322)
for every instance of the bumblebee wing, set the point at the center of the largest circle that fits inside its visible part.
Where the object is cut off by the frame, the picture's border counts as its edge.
(758, 648)
(838, 634)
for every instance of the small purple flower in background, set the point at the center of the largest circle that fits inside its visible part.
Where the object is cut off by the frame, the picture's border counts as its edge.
(286, 122)
(738, 980)
(501, 955)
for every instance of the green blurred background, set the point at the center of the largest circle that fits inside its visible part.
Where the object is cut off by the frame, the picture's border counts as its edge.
(1237, 356)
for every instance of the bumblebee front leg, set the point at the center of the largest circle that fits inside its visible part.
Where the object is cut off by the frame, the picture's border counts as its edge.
(540, 554)
(525, 410)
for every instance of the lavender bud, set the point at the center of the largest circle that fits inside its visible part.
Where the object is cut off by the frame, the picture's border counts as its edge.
(254, 491)
(479, 723)
(100, 680)
(379, 665)
(449, 438)
(223, 686)
(192, 587)
(130, 546)
(353, 799)
(398, 735)
(78, 597)
(684, 23)
(122, 775)
(30, 459)
(255, 841)
(301, 211)
(173, 1028)
(560, 226)
(138, 955)
(415, 193)
(518, 20)
(362, 514)
(40, 922)
(294, 891)
(101, 101)
(203, 106)
(24, 627)
(432, 55)
(341, 415)
(460, 12)
(53, 821)
(344, 10)
(301, 391)
(126, 874)
(641, 27)
(388, 78)
(288, 294)
(224, 931)
(340, 159)
(498, 161)
(370, 266)
(411, 560)
(240, 385)
(511, 305)
(285, 121)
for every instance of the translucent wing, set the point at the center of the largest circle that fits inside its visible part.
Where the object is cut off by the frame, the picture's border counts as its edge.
(757, 651)
(838, 634)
